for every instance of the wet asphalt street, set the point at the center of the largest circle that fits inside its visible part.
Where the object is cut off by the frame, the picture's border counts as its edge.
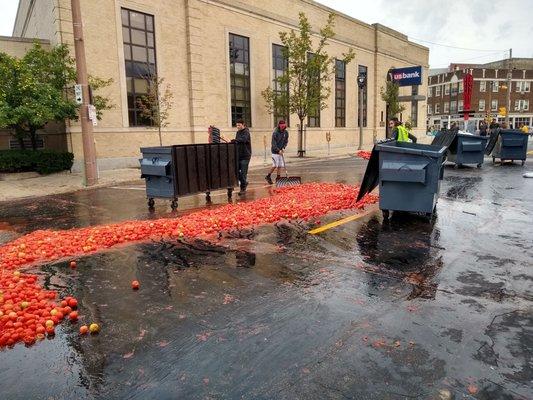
(367, 310)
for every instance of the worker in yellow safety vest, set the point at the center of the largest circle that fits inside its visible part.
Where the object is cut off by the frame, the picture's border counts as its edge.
(400, 132)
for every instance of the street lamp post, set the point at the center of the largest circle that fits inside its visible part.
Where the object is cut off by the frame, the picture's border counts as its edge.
(361, 82)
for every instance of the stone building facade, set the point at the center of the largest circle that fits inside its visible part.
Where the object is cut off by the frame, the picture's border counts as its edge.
(188, 43)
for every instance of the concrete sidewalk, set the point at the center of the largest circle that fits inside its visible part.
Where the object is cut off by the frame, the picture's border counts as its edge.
(65, 182)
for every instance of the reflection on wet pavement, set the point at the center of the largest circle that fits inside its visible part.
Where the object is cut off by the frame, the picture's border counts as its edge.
(369, 310)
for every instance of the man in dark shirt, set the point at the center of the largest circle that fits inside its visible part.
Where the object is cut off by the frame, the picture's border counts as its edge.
(244, 151)
(494, 124)
(280, 139)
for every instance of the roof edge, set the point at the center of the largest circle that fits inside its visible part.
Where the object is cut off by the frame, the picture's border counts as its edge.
(24, 40)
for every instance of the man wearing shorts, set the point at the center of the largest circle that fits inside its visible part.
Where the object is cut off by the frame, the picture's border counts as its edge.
(280, 139)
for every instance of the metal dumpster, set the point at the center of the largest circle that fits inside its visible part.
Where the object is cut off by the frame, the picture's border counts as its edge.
(467, 149)
(409, 176)
(158, 173)
(510, 145)
(171, 172)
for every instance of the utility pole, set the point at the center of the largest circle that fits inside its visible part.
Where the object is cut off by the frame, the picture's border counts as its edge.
(509, 83)
(89, 148)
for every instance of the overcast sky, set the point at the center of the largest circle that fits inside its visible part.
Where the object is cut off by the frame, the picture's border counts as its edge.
(479, 26)
(475, 25)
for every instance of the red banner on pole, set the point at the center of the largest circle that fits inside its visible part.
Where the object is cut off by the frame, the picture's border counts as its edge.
(468, 83)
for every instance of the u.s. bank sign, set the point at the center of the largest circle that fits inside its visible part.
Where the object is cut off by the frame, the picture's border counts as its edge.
(406, 76)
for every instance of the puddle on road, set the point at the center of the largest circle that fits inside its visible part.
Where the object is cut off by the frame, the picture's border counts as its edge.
(462, 187)
(404, 249)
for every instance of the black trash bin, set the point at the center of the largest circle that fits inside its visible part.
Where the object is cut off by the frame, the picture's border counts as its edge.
(510, 145)
(467, 149)
(175, 171)
(409, 176)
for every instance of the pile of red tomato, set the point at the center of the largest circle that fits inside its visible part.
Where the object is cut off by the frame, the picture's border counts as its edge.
(25, 307)
(364, 154)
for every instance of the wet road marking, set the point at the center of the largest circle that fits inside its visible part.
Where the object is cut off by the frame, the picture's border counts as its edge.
(334, 224)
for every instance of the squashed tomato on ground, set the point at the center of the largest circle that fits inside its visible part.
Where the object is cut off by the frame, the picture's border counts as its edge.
(364, 154)
(27, 311)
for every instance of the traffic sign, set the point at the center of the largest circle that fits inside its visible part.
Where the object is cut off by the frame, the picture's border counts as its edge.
(78, 94)
(92, 114)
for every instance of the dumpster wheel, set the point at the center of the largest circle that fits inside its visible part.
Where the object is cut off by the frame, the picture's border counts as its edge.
(523, 162)
(174, 205)
(151, 204)
(479, 165)
(386, 214)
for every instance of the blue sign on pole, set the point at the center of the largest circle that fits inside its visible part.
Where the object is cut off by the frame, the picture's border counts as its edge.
(406, 76)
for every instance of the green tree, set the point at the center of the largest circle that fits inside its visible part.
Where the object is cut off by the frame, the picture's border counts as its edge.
(302, 91)
(101, 103)
(390, 94)
(34, 91)
(156, 104)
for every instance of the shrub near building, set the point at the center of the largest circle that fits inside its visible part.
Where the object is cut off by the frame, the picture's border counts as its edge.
(42, 161)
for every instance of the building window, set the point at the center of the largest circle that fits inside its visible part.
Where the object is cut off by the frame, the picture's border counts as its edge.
(481, 106)
(522, 120)
(139, 55)
(460, 105)
(461, 87)
(453, 106)
(446, 107)
(414, 107)
(446, 90)
(437, 91)
(430, 92)
(239, 63)
(340, 93)
(454, 89)
(430, 111)
(494, 105)
(482, 86)
(313, 117)
(363, 70)
(523, 86)
(495, 85)
(521, 105)
(437, 108)
(279, 66)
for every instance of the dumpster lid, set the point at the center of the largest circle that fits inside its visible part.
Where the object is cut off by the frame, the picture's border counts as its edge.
(371, 177)
(494, 134)
(444, 139)
(426, 150)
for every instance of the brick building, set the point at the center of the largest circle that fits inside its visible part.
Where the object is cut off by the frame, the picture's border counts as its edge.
(188, 43)
(489, 94)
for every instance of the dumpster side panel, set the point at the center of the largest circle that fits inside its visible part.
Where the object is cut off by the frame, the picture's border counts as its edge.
(467, 149)
(201, 159)
(223, 166)
(214, 182)
(408, 182)
(192, 170)
(156, 169)
(511, 145)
